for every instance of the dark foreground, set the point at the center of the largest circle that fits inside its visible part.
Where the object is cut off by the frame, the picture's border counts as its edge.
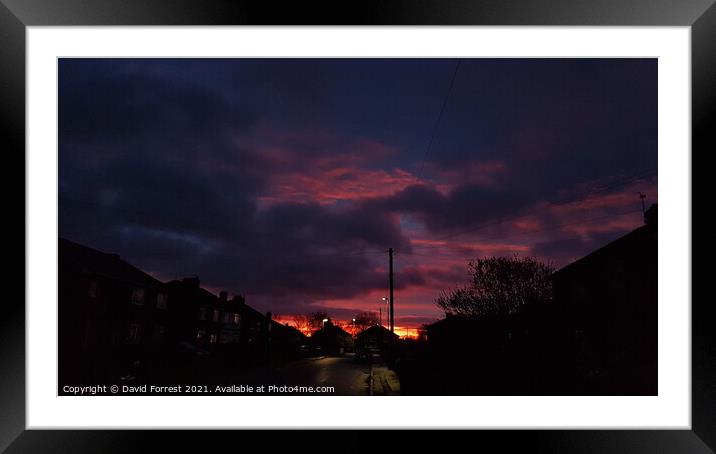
(324, 375)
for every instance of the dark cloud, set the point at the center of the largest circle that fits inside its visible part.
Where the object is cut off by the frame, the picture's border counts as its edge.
(185, 166)
(464, 206)
(103, 102)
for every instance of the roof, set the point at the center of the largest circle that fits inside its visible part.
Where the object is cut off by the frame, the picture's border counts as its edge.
(87, 260)
(200, 295)
(639, 236)
(331, 329)
(453, 320)
(286, 329)
(376, 329)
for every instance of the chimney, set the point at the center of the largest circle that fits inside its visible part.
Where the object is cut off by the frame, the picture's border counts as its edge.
(268, 321)
(238, 300)
(191, 281)
(651, 216)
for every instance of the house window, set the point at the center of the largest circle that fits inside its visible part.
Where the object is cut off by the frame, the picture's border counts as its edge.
(159, 331)
(133, 333)
(200, 335)
(138, 296)
(217, 313)
(92, 291)
(213, 338)
(162, 301)
(227, 318)
(237, 319)
(202, 313)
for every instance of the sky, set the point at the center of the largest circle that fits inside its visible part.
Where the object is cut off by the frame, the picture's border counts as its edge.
(287, 180)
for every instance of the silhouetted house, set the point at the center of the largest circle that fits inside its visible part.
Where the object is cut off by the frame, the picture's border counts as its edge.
(230, 318)
(452, 332)
(209, 321)
(114, 320)
(284, 341)
(495, 354)
(118, 323)
(199, 312)
(332, 339)
(597, 336)
(376, 337)
(236, 334)
(606, 309)
(254, 326)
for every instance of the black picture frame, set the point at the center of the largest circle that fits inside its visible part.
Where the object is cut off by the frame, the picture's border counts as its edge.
(16, 15)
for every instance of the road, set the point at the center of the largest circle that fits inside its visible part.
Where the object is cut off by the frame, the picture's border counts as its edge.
(347, 377)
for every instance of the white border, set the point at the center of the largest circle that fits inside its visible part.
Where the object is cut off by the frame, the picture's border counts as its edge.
(671, 409)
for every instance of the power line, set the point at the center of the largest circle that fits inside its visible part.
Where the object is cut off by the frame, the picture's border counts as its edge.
(548, 229)
(437, 122)
(536, 209)
(346, 254)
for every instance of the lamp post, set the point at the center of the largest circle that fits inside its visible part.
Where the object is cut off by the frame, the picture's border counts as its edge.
(386, 301)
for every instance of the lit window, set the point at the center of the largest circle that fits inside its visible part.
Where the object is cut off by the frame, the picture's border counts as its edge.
(138, 296)
(217, 313)
(237, 319)
(213, 338)
(200, 335)
(133, 333)
(162, 301)
(92, 291)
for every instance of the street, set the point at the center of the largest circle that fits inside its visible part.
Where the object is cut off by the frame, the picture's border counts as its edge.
(347, 377)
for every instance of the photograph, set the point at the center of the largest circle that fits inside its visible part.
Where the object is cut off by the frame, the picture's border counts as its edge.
(357, 226)
(434, 218)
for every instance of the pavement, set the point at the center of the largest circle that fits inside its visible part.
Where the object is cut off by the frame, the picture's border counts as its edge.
(384, 382)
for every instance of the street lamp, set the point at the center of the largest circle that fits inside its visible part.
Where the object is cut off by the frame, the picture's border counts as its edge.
(380, 308)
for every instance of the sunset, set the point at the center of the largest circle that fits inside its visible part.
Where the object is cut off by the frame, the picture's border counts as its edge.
(286, 181)
(373, 226)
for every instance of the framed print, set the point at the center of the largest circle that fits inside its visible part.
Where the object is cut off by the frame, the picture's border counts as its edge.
(464, 216)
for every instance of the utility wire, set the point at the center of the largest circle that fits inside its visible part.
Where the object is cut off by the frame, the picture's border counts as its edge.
(531, 211)
(547, 229)
(482, 226)
(437, 122)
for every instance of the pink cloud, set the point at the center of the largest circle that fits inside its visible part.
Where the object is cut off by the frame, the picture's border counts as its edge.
(328, 184)
(483, 173)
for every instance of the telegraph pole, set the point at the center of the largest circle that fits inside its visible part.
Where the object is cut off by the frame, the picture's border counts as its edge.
(390, 261)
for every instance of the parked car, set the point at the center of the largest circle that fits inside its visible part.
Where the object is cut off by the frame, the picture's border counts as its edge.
(363, 354)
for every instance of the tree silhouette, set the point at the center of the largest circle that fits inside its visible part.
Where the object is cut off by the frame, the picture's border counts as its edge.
(499, 286)
(301, 323)
(315, 320)
(365, 320)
